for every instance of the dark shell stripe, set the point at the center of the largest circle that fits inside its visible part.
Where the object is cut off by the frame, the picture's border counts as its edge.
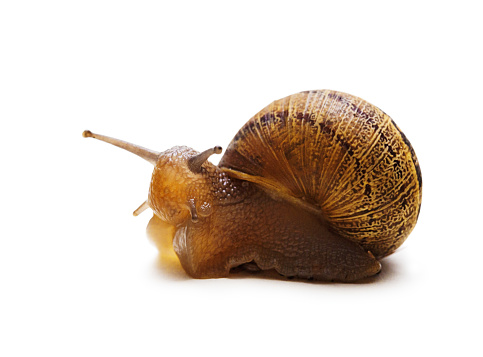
(349, 177)
(341, 154)
(332, 180)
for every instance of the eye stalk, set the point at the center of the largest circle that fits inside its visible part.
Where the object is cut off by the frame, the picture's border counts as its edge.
(147, 154)
(194, 163)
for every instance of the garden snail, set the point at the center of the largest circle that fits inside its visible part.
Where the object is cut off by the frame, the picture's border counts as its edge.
(317, 185)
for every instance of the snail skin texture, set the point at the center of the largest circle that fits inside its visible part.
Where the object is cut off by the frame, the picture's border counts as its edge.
(318, 185)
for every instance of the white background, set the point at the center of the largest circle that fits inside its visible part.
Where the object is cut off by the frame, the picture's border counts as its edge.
(79, 277)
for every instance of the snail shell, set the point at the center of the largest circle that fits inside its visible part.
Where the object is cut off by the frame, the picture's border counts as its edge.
(339, 155)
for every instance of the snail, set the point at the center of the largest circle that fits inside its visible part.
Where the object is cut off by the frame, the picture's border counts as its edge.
(318, 185)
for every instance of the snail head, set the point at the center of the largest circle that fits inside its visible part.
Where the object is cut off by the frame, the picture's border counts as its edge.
(180, 187)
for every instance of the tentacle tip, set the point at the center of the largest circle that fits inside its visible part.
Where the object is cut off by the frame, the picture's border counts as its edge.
(217, 149)
(87, 134)
(144, 206)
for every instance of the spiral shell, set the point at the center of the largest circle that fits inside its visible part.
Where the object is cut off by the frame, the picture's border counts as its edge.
(342, 156)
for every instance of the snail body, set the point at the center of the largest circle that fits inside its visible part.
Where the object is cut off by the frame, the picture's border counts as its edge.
(319, 185)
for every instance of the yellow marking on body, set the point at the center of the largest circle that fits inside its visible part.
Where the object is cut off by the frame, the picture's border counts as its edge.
(274, 189)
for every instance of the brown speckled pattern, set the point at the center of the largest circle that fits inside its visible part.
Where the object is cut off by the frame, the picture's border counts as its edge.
(225, 189)
(341, 154)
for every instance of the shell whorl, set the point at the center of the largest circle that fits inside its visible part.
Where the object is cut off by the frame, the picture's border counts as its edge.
(341, 154)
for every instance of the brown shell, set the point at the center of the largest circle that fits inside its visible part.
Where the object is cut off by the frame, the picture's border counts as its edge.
(340, 154)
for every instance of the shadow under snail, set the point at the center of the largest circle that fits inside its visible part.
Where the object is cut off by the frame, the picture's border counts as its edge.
(318, 185)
